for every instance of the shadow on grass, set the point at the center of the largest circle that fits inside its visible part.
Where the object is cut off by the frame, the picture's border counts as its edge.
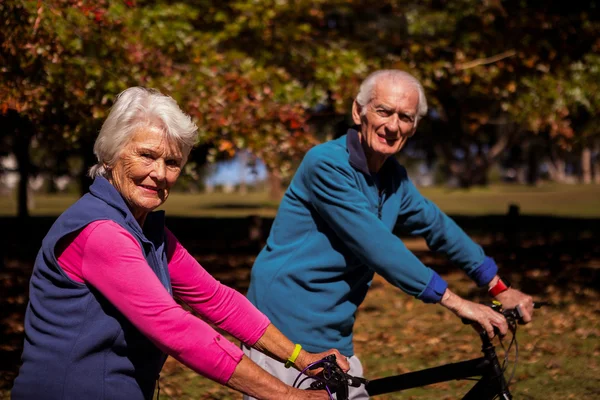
(234, 206)
(536, 253)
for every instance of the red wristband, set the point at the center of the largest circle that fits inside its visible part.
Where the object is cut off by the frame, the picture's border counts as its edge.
(498, 288)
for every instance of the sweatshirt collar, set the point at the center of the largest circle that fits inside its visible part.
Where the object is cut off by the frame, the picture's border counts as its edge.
(358, 159)
(105, 191)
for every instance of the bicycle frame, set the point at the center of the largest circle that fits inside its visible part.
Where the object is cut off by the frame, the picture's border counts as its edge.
(491, 385)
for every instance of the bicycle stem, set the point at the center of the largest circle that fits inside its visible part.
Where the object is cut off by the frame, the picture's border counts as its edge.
(490, 354)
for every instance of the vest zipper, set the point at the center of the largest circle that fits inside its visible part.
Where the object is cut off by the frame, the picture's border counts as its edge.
(161, 269)
(158, 387)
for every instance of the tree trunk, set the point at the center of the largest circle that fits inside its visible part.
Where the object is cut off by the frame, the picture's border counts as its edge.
(556, 168)
(520, 175)
(89, 159)
(586, 165)
(22, 129)
(275, 185)
(596, 163)
(533, 165)
(243, 160)
(23, 161)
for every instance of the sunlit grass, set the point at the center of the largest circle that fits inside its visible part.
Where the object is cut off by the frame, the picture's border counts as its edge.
(549, 199)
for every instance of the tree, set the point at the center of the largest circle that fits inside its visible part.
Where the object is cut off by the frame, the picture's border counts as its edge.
(258, 75)
(479, 61)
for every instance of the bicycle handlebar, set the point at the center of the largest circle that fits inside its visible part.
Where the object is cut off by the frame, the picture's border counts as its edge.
(335, 380)
(514, 315)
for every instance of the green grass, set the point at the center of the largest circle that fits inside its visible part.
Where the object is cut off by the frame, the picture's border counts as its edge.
(549, 199)
(178, 204)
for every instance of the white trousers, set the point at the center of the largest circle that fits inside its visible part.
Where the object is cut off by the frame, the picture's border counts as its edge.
(289, 375)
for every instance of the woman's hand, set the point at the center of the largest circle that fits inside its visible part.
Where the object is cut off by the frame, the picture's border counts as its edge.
(277, 346)
(483, 315)
(251, 379)
(299, 394)
(305, 359)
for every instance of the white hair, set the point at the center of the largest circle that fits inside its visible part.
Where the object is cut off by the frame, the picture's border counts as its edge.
(135, 108)
(365, 92)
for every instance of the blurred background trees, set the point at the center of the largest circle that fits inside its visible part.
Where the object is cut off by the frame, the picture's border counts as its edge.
(512, 85)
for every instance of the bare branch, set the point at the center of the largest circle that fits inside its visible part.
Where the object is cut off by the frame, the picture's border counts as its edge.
(499, 147)
(484, 61)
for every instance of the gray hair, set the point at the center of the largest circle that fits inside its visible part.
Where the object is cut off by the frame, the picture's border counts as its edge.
(135, 108)
(365, 93)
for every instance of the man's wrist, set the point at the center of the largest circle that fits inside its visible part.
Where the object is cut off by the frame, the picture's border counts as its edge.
(485, 272)
(493, 282)
(450, 301)
(500, 286)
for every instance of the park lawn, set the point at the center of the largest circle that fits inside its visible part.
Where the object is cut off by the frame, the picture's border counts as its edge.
(549, 199)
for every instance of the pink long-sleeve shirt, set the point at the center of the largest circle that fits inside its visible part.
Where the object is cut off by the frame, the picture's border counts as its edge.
(107, 257)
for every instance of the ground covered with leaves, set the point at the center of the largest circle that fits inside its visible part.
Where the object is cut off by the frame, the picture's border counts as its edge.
(558, 353)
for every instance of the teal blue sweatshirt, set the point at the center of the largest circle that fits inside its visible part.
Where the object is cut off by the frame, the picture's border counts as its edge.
(333, 232)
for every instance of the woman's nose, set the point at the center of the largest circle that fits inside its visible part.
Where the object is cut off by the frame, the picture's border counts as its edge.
(159, 170)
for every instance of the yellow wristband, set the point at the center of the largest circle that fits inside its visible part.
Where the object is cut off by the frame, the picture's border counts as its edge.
(290, 361)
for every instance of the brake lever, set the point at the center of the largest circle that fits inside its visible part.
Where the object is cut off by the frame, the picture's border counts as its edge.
(334, 379)
(515, 313)
(319, 364)
(540, 304)
(519, 311)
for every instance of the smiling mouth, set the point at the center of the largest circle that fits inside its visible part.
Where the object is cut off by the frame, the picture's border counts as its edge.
(388, 139)
(152, 188)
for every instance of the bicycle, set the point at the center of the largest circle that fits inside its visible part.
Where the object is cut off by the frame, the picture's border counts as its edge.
(490, 386)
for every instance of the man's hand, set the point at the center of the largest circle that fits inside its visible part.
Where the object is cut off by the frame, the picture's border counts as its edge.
(513, 298)
(483, 315)
(305, 359)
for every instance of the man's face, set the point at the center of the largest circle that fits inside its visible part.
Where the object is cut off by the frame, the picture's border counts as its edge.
(388, 120)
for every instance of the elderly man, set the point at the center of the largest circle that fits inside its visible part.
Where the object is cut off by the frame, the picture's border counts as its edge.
(333, 232)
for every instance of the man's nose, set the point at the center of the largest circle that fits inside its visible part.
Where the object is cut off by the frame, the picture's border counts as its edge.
(393, 123)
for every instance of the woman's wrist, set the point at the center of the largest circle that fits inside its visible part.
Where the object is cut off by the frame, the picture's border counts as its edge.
(292, 359)
(302, 360)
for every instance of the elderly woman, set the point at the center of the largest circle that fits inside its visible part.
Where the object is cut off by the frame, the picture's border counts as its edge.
(102, 317)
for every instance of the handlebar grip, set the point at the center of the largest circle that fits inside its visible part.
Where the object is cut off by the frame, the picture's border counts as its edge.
(356, 381)
(514, 313)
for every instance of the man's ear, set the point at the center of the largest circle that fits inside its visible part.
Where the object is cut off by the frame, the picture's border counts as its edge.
(414, 129)
(356, 108)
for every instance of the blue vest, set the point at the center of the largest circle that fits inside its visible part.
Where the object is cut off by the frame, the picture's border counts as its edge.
(77, 344)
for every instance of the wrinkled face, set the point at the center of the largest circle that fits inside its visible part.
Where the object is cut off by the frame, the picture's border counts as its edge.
(388, 120)
(146, 170)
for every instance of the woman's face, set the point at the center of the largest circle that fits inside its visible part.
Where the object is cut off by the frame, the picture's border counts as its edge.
(147, 168)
